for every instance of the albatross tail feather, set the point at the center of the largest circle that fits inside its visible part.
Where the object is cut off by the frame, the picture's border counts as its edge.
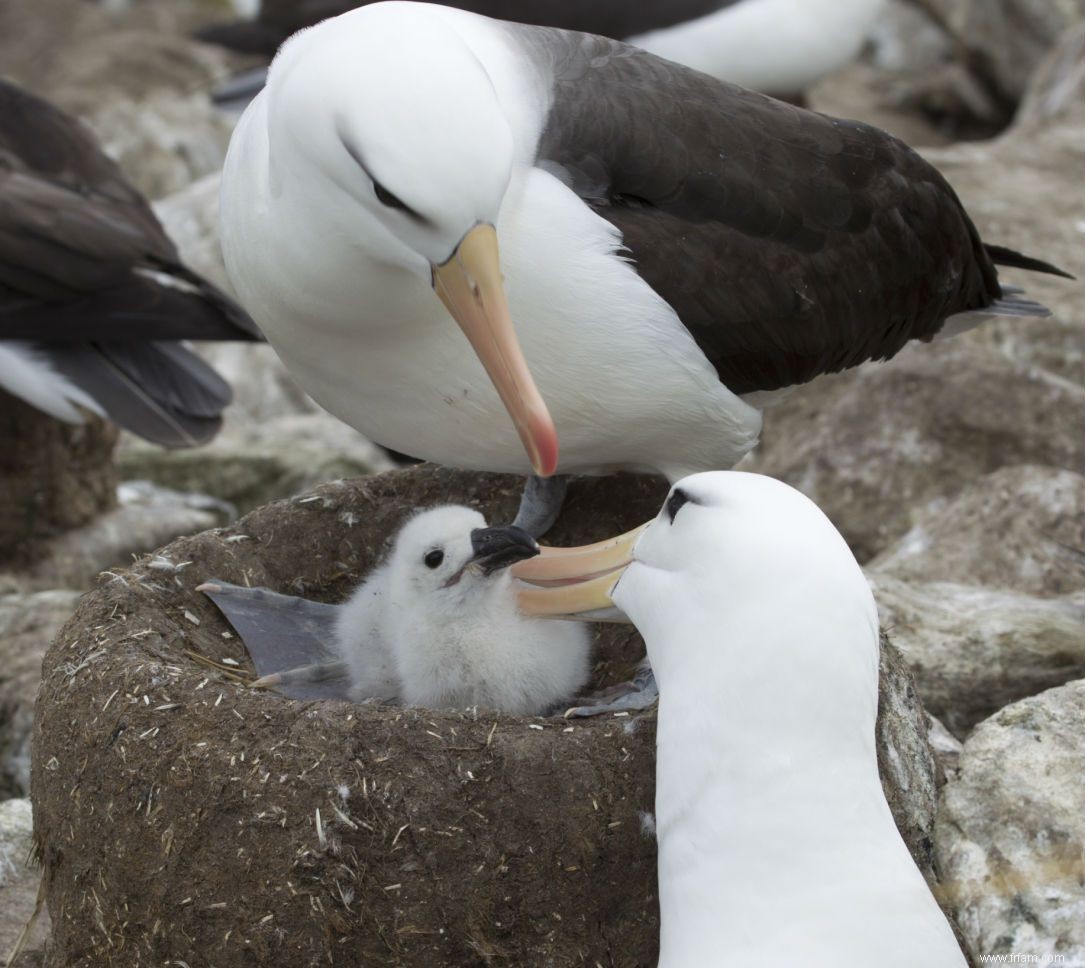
(161, 391)
(1008, 305)
(1001, 256)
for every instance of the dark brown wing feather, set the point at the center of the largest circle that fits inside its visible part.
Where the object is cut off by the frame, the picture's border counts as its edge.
(71, 227)
(90, 280)
(789, 243)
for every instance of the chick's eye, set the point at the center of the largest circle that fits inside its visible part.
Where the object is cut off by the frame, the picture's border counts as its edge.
(385, 197)
(434, 558)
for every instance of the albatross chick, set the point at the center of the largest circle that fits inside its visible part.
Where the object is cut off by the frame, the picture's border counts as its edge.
(435, 625)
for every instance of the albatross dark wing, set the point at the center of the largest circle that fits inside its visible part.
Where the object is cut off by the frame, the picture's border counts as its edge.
(789, 243)
(89, 279)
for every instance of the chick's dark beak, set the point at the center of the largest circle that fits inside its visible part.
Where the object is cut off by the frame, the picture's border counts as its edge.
(497, 548)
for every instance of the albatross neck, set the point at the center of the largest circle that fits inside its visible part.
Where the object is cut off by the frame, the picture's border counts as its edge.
(765, 782)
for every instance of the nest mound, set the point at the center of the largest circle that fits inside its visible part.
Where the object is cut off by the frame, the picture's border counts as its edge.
(185, 819)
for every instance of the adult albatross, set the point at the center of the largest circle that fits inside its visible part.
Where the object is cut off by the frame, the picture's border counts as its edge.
(673, 249)
(776, 844)
(779, 47)
(94, 298)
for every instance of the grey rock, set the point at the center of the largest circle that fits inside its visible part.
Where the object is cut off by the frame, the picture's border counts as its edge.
(16, 834)
(191, 219)
(874, 445)
(1010, 835)
(1019, 529)
(910, 772)
(1057, 88)
(134, 76)
(1023, 189)
(973, 649)
(28, 623)
(969, 63)
(19, 885)
(255, 461)
(945, 747)
(145, 518)
(1012, 37)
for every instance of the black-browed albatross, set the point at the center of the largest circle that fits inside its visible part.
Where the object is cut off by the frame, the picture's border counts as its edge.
(94, 298)
(780, 47)
(776, 843)
(673, 249)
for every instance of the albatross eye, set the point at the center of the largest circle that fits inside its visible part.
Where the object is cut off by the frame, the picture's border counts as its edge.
(434, 558)
(385, 197)
(675, 502)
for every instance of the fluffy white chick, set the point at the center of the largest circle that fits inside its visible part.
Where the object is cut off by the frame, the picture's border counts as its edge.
(437, 623)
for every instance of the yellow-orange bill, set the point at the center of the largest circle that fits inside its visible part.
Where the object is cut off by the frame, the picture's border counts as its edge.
(470, 286)
(585, 598)
(579, 563)
(572, 582)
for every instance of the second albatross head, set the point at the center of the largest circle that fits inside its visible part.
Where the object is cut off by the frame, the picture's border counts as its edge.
(393, 110)
(732, 559)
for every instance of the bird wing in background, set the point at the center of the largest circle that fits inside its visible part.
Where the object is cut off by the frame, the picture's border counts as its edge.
(94, 290)
(278, 19)
(789, 243)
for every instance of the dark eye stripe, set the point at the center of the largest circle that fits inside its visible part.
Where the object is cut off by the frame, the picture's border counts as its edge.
(675, 501)
(385, 197)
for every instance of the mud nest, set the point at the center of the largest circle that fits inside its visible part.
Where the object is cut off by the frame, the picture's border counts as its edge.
(185, 819)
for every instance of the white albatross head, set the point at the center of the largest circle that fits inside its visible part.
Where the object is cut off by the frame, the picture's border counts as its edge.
(390, 109)
(730, 556)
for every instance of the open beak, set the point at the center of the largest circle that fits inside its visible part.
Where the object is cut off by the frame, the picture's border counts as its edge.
(497, 548)
(576, 582)
(469, 284)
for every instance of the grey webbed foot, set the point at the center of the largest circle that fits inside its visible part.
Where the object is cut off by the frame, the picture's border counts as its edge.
(639, 693)
(289, 639)
(541, 503)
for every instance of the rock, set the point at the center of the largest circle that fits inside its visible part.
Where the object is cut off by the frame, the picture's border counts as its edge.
(28, 623)
(1010, 37)
(19, 884)
(53, 476)
(874, 445)
(1023, 190)
(253, 462)
(16, 836)
(863, 92)
(973, 650)
(945, 747)
(1010, 836)
(191, 219)
(1057, 88)
(968, 63)
(910, 774)
(1020, 529)
(146, 518)
(361, 834)
(133, 76)
(146, 96)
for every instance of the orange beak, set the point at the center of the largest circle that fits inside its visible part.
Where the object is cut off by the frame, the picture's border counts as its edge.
(575, 582)
(469, 284)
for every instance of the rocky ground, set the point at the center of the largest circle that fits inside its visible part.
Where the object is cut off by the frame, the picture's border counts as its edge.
(956, 471)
